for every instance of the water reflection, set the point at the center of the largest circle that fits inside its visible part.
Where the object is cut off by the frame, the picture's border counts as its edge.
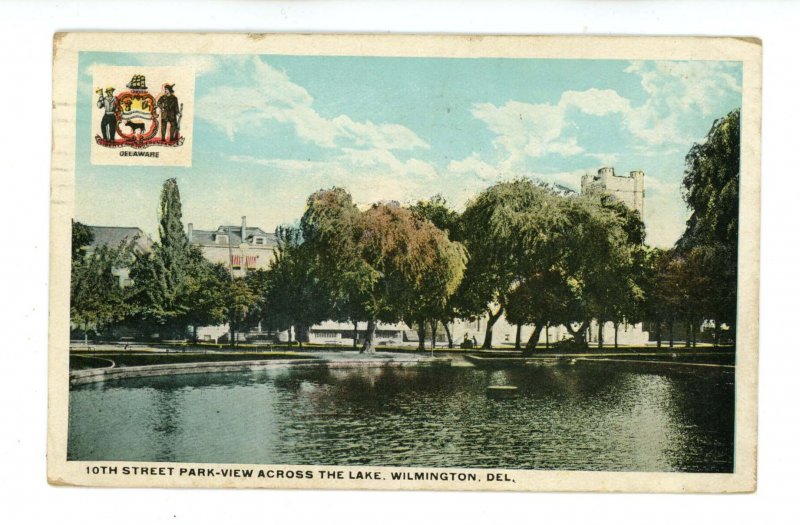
(590, 416)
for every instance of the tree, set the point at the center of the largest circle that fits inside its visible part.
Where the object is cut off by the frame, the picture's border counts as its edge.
(294, 296)
(609, 257)
(330, 228)
(166, 280)
(97, 301)
(384, 263)
(711, 190)
(510, 232)
(82, 237)
(205, 292)
(417, 267)
(238, 299)
(448, 221)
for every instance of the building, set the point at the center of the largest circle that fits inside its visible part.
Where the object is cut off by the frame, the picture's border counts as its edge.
(628, 189)
(239, 248)
(117, 237)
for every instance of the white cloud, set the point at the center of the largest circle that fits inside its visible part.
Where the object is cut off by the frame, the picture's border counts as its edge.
(369, 175)
(272, 96)
(597, 102)
(529, 131)
(676, 91)
(474, 166)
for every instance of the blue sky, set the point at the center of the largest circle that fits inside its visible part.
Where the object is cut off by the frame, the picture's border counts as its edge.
(269, 130)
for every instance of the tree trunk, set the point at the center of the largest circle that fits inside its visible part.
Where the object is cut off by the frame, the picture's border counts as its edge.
(355, 335)
(600, 327)
(421, 335)
(194, 333)
(449, 335)
(672, 332)
(579, 334)
(616, 336)
(369, 338)
(547, 336)
(689, 326)
(658, 334)
(434, 326)
(298, 336)
(716, 334)
(518, 339)
(530, 347)
(493, 317)
(291, 334)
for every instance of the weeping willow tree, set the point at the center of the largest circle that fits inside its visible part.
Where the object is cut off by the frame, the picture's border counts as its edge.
(506, 230)
(711, 190)
(383, 264)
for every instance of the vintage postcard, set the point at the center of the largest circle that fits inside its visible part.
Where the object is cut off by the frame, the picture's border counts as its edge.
(405, 262)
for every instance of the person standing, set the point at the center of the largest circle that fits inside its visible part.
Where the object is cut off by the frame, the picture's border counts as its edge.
(170, 111)
(108, 125)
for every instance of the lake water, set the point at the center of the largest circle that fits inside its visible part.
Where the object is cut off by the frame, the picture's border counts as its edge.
(586, 416)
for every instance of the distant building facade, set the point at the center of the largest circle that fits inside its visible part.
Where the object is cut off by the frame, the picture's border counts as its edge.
(238, 248)
(627, 189)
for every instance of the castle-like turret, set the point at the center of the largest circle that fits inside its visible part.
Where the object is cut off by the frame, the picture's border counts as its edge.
(628, 189)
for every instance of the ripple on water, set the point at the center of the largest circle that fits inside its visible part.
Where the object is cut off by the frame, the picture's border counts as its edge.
(587, 417)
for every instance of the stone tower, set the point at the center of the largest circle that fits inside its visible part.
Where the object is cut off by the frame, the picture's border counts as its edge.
(628, 189)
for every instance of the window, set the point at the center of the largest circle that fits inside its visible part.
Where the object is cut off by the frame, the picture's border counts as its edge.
(222, 239)
(258, 240)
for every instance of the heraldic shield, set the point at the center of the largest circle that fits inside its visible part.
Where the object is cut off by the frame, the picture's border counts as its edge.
(134, 117)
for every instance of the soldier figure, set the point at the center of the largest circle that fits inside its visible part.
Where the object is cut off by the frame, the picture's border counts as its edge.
(170, 112)
(108, 126)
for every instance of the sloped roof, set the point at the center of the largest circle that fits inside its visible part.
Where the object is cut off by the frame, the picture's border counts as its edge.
(208, 236)
(114, 236)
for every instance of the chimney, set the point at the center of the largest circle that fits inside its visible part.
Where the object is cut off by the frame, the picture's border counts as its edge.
(191, 229)
(244, 229)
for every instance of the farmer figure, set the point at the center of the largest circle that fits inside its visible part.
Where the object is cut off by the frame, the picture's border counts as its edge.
(170, 113)
(108, 126)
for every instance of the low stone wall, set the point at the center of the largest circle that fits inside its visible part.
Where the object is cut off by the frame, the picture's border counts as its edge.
(82, 377)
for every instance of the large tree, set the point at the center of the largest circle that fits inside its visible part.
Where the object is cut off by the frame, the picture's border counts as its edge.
(445, 312)
(166, 280)
(384, 263)
(606, 256)
(331, 229)
(294, 297)
(510, 232)
(97, 301)
(711, 190)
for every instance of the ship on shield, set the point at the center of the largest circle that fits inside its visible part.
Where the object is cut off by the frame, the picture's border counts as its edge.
(134, 117)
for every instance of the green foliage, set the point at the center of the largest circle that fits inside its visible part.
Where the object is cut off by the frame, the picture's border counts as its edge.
(385, 263)
(82, 237)
(173, 285)
(430, 307)
(97, 301)
(711, 189)
(293, 294)
(544, 258)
